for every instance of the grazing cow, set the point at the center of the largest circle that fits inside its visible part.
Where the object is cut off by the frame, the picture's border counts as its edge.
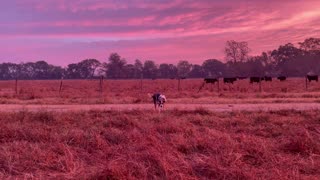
(210, 80)
(229, 80)
(159, 100)
(267, 78)
(255, 79)
(241, 77)
(312, 78)
(282, 78)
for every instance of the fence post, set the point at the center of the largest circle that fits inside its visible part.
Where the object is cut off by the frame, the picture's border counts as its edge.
(16, 86)
(306, 83)
(101, 86)
(141, 79)
(60, 88)
(260, 84)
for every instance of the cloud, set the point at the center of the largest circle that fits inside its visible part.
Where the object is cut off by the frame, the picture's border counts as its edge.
(68, 30)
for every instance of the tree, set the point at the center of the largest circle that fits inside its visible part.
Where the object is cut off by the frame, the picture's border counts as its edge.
(9, 71)
(196, 71)
(56, 72)
(26, 70)
(88, 67)
(164, 70)
(285, 53)
(115, 66)
(268, 63)
(236, 51)
(138, 67)
(184, 68)
(73, 71)
(254, 67)
(40, 70)
(310, 44)
(173, 71)
(129, 71)
(213, 67)
(149, 69)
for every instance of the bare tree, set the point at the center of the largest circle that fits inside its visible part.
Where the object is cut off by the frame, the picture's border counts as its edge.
(236, 51)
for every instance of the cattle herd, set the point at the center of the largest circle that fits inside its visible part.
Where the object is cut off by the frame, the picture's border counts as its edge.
(256, 79)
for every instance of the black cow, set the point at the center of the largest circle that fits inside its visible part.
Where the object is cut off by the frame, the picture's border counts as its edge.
(241, 77)
(312, 78)
(229, 80)
(210, 80)
(255, 79)
(282, 78)
(267, 78)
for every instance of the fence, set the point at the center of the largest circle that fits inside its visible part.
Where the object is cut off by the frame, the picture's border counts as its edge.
(104, 89)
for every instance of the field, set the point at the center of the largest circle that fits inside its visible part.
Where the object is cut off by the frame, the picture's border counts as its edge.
(176, 144)
(76, 134)
(129, 92)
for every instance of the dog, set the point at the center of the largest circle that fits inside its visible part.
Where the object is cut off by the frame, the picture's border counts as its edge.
(158, 100)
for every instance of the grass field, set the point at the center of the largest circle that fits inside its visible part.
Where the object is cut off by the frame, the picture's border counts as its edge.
(129, 91)
(179, 143)
(176, 144)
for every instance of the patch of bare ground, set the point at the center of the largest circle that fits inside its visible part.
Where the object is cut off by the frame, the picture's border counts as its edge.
(177, 144)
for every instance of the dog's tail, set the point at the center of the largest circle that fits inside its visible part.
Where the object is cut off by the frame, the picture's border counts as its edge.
(150, 95)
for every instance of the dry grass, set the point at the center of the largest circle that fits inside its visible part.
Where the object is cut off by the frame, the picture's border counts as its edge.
(173, 145)
(128, 91)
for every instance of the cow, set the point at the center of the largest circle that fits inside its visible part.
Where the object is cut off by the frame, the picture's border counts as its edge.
(255, 79)
(229, 80)
(241, 77)
(210, 80)
(267, 78)
(312, 78)
(158, 100)
(282, 78)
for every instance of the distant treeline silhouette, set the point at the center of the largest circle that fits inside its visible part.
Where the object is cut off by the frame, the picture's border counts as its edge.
(287, 60)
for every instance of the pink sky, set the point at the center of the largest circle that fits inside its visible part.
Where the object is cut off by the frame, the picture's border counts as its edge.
(66, 31)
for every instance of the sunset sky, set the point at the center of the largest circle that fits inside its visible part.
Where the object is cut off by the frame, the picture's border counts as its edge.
(66, 31)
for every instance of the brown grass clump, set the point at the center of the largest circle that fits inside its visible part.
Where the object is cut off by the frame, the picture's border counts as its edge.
(172, 145)
(301, 142)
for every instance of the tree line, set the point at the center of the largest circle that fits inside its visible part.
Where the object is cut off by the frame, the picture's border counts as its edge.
(286, 60)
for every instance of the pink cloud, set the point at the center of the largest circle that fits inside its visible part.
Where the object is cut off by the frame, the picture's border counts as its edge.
(69, 30)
